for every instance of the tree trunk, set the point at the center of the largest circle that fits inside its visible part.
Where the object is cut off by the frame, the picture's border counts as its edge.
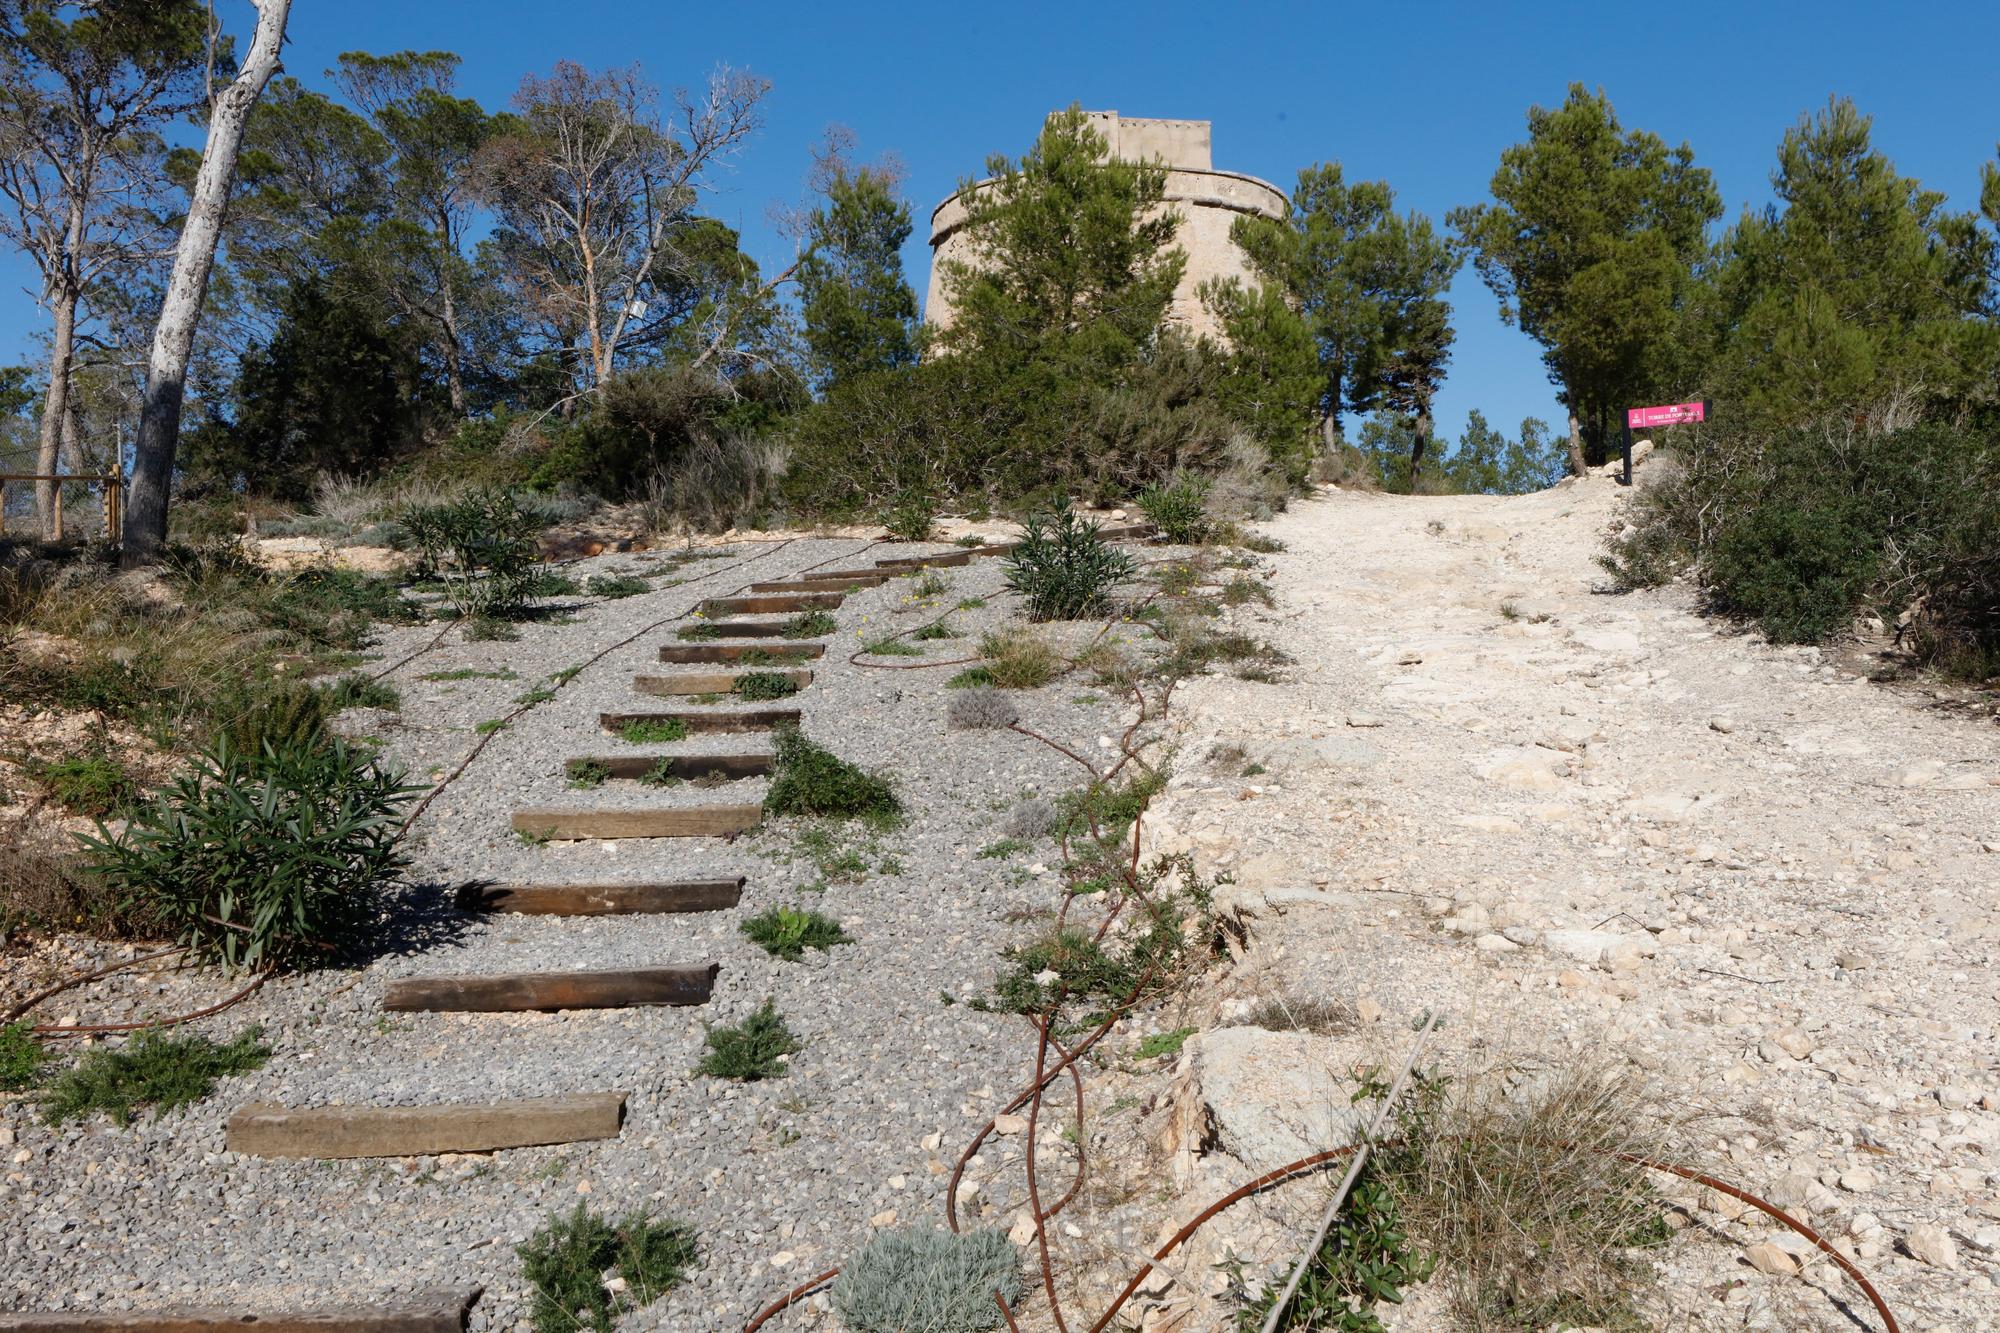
(1420, 439)
(1577, 467)
(55, 410)
(1329, 433)
(187, 287)
(454, 371)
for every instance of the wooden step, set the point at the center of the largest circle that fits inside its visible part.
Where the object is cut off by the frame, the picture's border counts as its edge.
(745, 629)
(527, 992)
(823, 583)
(263, 1130)
(739, 719)
(942, 560)
(707, 682)
(787, 604)
(695, 895)
(686, 767)
(872, 575)
(419, 1312)
(700, 821)
(691, 654)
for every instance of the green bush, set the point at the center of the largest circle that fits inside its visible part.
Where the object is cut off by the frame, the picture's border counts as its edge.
(807, 779)
(810, 625)
(752, 1050)
(262, 860)
(282, 714)
(615, 586)
(93, 785)
(152, 1069)
(759, 686)
(1064, 569)
(787, 932)
(932, 1280)
(481, 548)
(1178, 510)
(21, 1058)
(566, 1259)
(912, 518)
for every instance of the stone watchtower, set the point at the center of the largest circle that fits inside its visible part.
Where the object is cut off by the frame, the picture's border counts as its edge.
(1208, 201)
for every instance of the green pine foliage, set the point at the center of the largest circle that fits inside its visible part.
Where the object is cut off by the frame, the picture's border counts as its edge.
(860, 315)
(750, 1051)
(566, 1259)
(165, 1073)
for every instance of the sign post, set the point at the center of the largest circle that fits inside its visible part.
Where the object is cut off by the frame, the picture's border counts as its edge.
(1671, 414)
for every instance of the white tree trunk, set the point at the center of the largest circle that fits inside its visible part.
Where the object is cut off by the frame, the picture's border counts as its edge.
(173, 338)
(55, 409)
(1577, 467)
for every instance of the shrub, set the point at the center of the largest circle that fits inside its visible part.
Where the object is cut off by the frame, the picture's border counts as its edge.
(262, 860)
(152, 1069)
(615, 586)
(810, 625)
(588, 774)
(481, 547)
(807, 779)
(971, 678)
(360, 692)
(933, 1280)
(912, 518)
(1064, 569)
(787, 932)
(566, 1259)
(984, 708)
(281, 714)
(21, 1058)
(714, 484)
(758, 686)
(1243, 589)
(93, 785)
(1179, 510)
(752, 1050)
(1032, 818)
(1019, 659)
(1365, 1259)
(660, 775)
(652, 730)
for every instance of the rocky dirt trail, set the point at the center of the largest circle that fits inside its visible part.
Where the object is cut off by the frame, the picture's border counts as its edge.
(1584, 824)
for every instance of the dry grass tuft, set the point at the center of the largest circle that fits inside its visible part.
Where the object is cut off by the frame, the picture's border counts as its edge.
(1020, 659)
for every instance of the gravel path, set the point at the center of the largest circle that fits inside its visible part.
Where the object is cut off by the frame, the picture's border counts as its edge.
(781, 1178)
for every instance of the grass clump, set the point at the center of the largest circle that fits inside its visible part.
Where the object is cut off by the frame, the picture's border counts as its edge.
(1019, 659)
(928, 1279)
(94, 784)
(1295, 1013)
(1242, 589)
(1064, 569)
(932, 632)
(152, 1069)
(891, 647)
(360, 692)
(21, 1058)
(588, 774)
(490, 629)
(264, 860)
(566, 1259)
(930, 583)
(661, 775)
(787, 932)
(972, 678)
(702, 633)
(807, 779)
(1004, 848)
(757, 657)
(810, 625)
(752, 1050)
(652, 730)
(980, 709)
(615, 586)
(469, 673)
(1179, 510)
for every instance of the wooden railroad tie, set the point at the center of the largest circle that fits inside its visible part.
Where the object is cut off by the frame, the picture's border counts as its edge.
(695, 895)
(263, 1130)
(771, 606)
(740, 719)
(822, 583)
(532, 992)
(708, 682)
(686, 767)
(747, 629)
(694, 654)
(420, 1312)
(699, 821)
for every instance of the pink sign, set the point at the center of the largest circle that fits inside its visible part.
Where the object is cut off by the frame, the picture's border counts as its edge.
(1673, 414)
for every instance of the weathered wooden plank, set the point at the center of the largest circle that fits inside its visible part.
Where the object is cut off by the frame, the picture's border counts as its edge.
(739, 719)
(822, 583)
(419, 1312)
(701, 821)
(686, 767)
(707, 682)
(697, 895)
(871, 574)
(689, 654)
(264, 1130)
(785, 604)
(746, 629)
(942, 560)
(527, 992)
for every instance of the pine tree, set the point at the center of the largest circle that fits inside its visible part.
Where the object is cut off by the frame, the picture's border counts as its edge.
(860, 315)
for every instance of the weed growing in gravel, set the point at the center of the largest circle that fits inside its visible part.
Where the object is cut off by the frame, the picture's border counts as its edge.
(972, 603)
(752, 1050)
(702, 633)
(1019, 659)
(490, 629)
(1262, 545)
(94, 785)
(615, 586)
(705, 697)
(1006, 847)
(21, 1058)
(1157, 1044)
(1365, 1259)
(541, 694)
(661, 774)
(1105, 811)
(972, 678)
(912, 517)
(1178, 579)
(566, 1259)
(810, 625)
(835, 860)
(1179, 510)
(981, 709)
(652, 730)
(470, 673)
(360, 692)
(1243, 588)
(763, 685)
(936, 630)
(491, 725)
(1064, 569)
(1110, 666)
(970, 541)
(807, 779)
(588, 774)
(1509, 611)
(787, 932)
(930, 583)
(928, 1279)
(891, 647)
(154, 1070)
(1289, 1013)
(754, 657)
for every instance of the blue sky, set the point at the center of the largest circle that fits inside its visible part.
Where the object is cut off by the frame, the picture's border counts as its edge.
(1425, 96)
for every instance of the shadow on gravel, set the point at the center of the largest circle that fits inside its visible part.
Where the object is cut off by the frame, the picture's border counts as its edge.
(419, 918)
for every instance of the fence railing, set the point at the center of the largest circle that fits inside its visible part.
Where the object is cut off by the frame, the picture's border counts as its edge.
(114, 498)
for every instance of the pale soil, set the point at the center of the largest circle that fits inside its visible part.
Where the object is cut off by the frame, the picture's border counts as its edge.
(1788, 876)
